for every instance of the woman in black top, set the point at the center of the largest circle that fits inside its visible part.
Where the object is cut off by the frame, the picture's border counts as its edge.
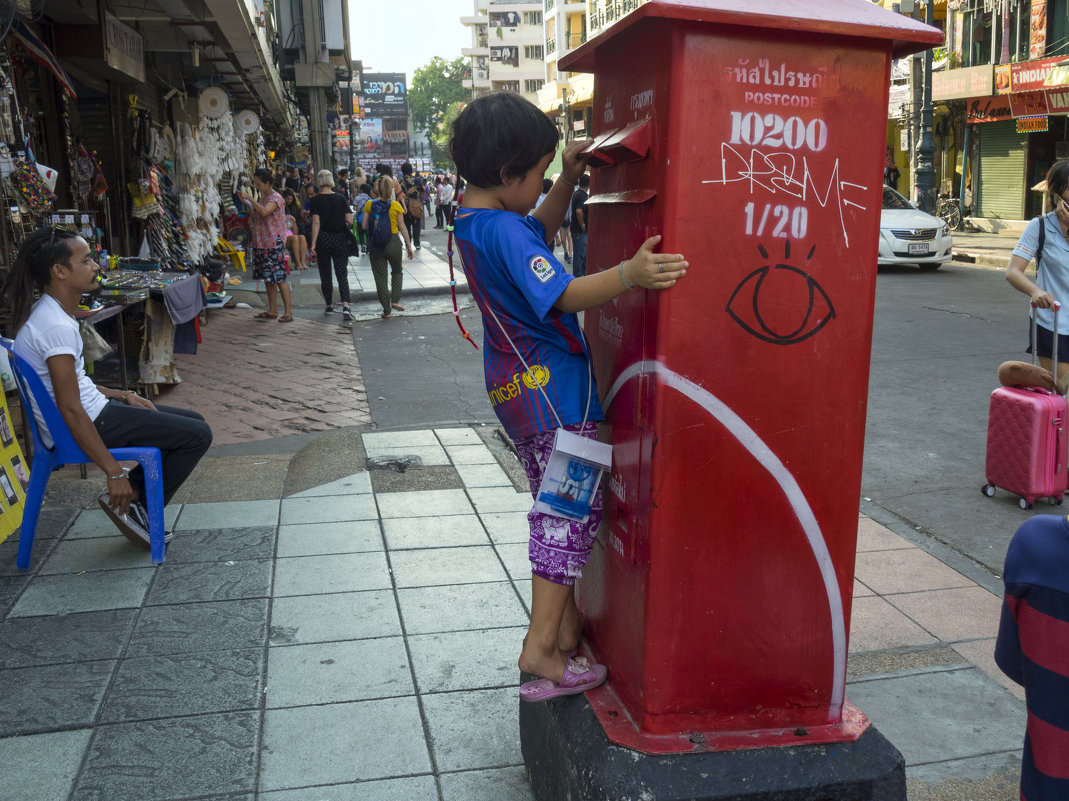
(331, 218)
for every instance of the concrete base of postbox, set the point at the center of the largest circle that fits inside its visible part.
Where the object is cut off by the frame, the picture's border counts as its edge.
(568, 756)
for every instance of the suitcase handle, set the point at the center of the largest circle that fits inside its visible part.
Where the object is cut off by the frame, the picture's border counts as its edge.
(1054, 345)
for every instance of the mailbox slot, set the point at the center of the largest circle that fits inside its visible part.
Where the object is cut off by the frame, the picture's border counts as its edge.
(630, 143)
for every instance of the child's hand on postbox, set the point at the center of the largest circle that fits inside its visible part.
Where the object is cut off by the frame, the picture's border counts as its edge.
(653, 270)
(572, 165)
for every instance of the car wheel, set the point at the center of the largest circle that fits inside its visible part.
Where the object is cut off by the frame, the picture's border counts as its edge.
(930, 266)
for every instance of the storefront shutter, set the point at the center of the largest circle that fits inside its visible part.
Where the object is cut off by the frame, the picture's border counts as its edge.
(1002, 166)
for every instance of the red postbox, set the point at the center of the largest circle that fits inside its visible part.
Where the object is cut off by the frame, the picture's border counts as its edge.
(752, 138)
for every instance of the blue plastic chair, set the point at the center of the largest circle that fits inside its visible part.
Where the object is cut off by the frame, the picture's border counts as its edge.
(65, 451)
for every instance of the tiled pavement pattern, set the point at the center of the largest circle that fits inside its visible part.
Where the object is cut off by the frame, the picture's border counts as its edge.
(256, 380)
(357, 641)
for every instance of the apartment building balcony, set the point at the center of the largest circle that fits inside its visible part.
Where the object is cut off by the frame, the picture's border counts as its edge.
(481, 50)
(608, 14)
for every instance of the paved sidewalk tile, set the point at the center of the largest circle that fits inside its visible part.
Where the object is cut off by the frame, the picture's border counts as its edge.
(357, 741)
(228, 514)
(466, 660)
(457, 436)
(347, 572)
(423, 503)
(40, 699)
(99, 553)
(934, 717)
(354, 484)
(78, 637)
(41, 766)
(470, 454)
(334, 616)
(329, 673)
(184, 684)
(875, 625)
(404, 533)
(965, 613)
(85, 592)
(474, 729)
(483, 475)
(907, 570)
(200, 628)
(494, 499)
(328, 509)
(166, 759)
(311, 539)
(507, 526)
(504, 783)
(462, 607)
(410, 788)
(436, 566)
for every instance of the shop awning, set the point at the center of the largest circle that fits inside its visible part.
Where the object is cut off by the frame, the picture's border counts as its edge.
(41, 54)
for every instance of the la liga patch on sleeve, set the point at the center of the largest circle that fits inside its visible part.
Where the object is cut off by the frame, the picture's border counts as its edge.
(542, 269)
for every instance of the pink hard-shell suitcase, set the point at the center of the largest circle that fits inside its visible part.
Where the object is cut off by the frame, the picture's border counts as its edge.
(1027, 445)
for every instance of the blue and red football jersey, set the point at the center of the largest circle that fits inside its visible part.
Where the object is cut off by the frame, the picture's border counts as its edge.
(512, 271)
(1033, 650)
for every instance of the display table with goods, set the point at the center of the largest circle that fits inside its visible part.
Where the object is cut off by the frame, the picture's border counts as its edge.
(162, 307)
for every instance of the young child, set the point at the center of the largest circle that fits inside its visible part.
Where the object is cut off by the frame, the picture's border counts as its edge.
(502, 146)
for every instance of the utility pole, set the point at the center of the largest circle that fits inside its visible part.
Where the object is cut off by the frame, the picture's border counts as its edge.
(925, 171)
(316, 73)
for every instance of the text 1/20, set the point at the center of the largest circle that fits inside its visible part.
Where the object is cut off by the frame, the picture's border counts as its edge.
(771, 130)
(785, 221)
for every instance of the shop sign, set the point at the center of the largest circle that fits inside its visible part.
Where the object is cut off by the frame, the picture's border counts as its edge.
(371, 130)
(1037, 42)
(385, 94)
(1026, 104)
(900, 95)
(124, 48)
(966, 82)
(1028, 75)
(1058, 101)
(1003, 79)
(988, 109)
(1036, 124)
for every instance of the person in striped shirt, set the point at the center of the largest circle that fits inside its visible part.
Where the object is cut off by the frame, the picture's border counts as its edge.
(1033, 649)
(536, 366)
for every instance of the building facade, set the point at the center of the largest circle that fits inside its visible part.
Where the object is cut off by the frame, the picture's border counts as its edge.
(507, 50)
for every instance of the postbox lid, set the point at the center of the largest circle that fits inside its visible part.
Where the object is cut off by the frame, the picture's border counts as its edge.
(859, 19)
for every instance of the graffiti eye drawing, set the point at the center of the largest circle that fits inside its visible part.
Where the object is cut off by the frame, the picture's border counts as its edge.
(779, 303)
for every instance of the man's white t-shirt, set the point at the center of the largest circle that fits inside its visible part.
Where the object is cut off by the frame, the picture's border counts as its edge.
(49, 331)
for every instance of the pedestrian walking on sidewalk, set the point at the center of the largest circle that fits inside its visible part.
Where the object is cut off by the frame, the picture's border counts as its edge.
(578, 226)
(268, 220)
(332, 219)
(1045, 236)
(529, 305)
(1032, 650)
(388, 256)
(412, 186)
(439, 202)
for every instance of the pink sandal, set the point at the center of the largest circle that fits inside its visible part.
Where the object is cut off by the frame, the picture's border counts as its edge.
(579, 676)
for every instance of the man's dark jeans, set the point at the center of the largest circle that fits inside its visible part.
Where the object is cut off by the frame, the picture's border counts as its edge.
(181, 435)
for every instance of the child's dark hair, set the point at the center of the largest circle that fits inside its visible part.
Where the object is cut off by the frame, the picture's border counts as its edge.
(1058, 179)
(500, 135)
(32, 270)
(365, 189)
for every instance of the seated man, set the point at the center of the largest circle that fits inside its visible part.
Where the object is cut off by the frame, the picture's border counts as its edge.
(59, 264)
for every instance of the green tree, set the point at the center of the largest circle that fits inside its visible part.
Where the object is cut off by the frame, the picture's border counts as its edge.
(440, 137)
(434, 88)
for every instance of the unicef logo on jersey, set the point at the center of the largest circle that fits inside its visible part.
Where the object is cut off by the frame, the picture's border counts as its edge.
(537, 376)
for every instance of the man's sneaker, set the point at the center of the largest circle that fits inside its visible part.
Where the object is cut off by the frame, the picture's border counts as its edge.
(418, 247)
(346, 314)
(328, 310)
(134, 524)
(568, 258)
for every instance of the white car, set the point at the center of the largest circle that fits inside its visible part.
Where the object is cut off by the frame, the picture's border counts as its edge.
(911, 236)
